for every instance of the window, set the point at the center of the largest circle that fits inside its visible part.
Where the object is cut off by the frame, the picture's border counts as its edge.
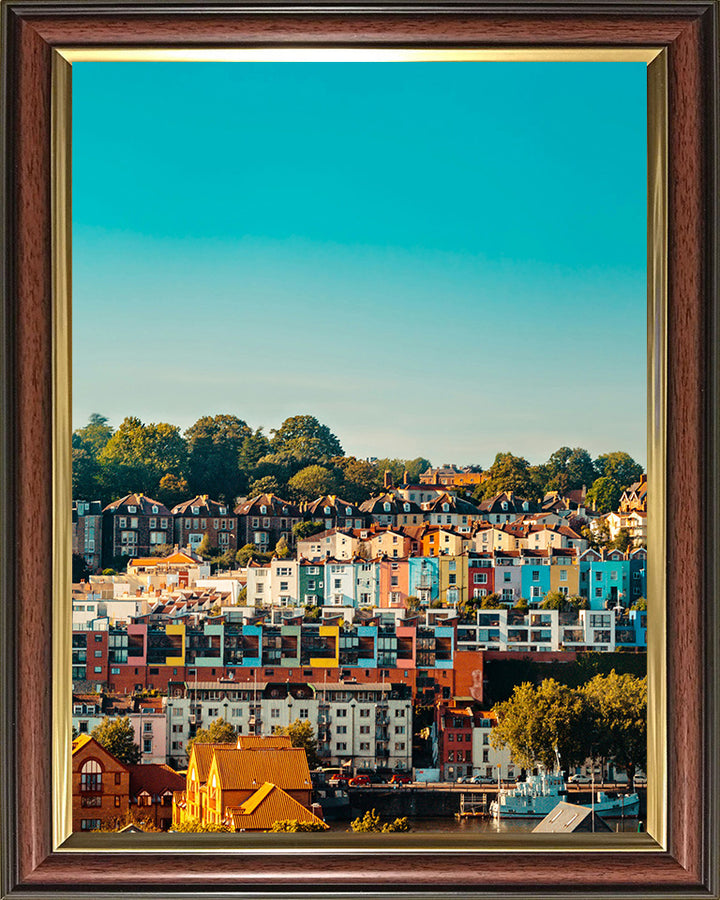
(341, 713)
(364, 729)
(98, 654)
(400, 747)
(563, 574)
(341, 729)
(364, 713)
(91, 776)
(274, 713)
(303, 713)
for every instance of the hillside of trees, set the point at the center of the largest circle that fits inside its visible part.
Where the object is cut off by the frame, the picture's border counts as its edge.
(222, 456)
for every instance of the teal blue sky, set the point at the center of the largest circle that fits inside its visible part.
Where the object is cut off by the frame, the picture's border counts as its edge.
(437, 259)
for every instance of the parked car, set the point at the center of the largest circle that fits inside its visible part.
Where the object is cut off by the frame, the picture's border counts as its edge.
(400, 778)
(359, 781)
(640, 780)
(579, 779)
(463, 779)
(337, 780)
(482, 779)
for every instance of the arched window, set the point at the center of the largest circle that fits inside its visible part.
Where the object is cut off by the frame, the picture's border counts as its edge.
(386, 507)
(155, 509)
(263, 509)
(446, 507)
(91, 776)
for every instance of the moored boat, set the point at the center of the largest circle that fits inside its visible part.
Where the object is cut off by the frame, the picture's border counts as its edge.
(540, 794)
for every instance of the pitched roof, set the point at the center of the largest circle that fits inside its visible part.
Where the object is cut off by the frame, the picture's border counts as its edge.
(276, 506)
(248, 769)
(203, 754)
(145, 506)
(155, 779)
(267, 805)
(205, 506)
(256, 741)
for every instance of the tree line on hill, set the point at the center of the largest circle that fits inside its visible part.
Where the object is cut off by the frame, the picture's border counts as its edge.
(223, 457)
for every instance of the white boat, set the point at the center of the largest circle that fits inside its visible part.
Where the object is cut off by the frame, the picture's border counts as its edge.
(540, 794)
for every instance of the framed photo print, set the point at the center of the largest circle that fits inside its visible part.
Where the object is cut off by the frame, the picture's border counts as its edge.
(359, 451)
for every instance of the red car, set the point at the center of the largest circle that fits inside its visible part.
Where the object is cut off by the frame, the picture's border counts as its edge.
(400, 779)
(359, 781)
(337, 780)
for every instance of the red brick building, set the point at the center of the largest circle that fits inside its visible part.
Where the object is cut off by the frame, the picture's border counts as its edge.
(265, 519)
(135, 525)
(100, 785)
(193, 519)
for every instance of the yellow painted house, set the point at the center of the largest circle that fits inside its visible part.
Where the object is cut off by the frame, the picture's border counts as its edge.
(453, 578)
(241, 786)
(565, 573)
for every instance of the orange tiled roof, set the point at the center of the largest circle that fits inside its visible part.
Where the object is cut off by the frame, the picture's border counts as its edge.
(248, 769)
(203, 754)
(256, 741)
(267, 805)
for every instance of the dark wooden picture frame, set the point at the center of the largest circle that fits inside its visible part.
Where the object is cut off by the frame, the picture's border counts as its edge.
(688, 30)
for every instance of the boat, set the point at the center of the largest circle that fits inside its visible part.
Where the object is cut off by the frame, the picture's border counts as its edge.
(533, 798)
(538, 795)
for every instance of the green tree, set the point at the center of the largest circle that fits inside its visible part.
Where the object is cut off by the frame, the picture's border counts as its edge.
(555, 600)
(293, 825)
(622, 540)
(398, 467)
(218, 732)
(118, 737)
(371, 822)
(137, 456)
(307, 529)
(268, 484)
(214, 445)
(80, 570)
(312, 482)
(301, 734)
(133, 816)
(570, 469)
(538, 724)
(412, 603)
(311, 613)
(205, 549)
(604, 495)
(597, 537)
(491, 601)
(245, 554)
(307, 438)
(618, 710)
(509, 473)
(86, 481)
(620, 467)
(359, 478)
(94, 436)
(254, 447)
(194, 826)
(521, 603)
(172, 489)
(282, 551)
(640, 604)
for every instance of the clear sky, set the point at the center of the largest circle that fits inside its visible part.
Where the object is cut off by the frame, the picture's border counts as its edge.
(445, 259)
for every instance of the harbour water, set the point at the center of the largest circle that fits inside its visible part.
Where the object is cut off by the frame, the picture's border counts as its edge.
(477, 825)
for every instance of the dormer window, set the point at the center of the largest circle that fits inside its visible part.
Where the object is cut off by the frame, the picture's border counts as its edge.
(504, 505)
(263, 509)
(386, 507)
(155, 510)
(526, 506)
(406, 507)
(196, 510)
(446, 507)
(223, 510)
(348, 511)
(327, 510)
(132, 509)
